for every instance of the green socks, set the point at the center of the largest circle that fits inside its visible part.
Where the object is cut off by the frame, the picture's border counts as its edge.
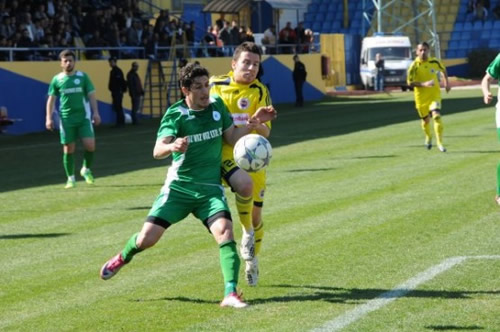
(230, 264)
(130, 248)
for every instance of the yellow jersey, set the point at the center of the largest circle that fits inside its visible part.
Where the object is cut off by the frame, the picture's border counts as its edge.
(242, 101)
(422, 71)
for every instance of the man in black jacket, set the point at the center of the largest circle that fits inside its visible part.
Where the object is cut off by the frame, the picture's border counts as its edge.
(117, 85)
(135, 90)
(299, 77)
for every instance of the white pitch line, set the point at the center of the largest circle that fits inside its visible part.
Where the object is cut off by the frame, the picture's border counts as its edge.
(358, 312)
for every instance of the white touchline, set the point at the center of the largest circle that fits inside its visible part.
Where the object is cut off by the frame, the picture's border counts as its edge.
(400, 291)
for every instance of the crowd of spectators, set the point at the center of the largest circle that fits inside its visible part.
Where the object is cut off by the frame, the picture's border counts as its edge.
(47, 26)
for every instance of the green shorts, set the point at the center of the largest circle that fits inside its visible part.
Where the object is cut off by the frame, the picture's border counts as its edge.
(203, 201)
(71, 131)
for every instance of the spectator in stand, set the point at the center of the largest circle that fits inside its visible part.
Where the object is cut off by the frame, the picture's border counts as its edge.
(248, 36)
(4, 55)
(225, 38)
(496, 11)
(25, 42)
(287, 36)
(7, 29)
(235, 33)
(220, 22)
(209, 40)
(269, 39)
(95, 41)
(134, 34)
(300, 34)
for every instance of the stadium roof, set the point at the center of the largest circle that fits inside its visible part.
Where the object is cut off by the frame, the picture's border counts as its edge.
(287, 4)
(234, 6)
(225, 6)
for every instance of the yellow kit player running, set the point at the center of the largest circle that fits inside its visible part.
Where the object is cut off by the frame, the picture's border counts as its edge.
(243, 95)
(423, 76)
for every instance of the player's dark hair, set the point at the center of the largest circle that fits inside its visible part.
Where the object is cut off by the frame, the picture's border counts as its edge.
(247, 47)
(425, 44)
(189, 72)
(66, 53)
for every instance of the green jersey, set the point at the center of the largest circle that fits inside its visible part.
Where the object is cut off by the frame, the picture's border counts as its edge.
(72, 91)
(200, 164)
(494, 68)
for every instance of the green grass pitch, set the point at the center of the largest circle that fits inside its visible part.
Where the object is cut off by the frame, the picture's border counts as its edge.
(356, 206)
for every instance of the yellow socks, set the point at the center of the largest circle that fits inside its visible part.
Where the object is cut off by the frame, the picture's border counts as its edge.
(244, 206)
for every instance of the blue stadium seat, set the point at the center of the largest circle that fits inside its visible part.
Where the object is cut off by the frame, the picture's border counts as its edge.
(320, 17)
(464, 44)
(312, 8)
(316, 2)
(496, 25)
(356, 24)
(451, 54)
(323, 8)
(466, 35)
(478, 25)
(455, 35)
(330, 16)
(488, 25)
(494, 43)
(326, 26)
(453, 44)
(339, 16)
(309, 17)
(486, 34)
(336, 25)
(473, 44)
(459, 27)
(495, 34)
(332, 8)
(468, 26)
(316, 26)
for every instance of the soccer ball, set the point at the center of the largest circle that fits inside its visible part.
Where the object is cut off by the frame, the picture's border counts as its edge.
(252, 152)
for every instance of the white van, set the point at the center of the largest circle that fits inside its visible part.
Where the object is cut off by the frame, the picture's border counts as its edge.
(396, 51)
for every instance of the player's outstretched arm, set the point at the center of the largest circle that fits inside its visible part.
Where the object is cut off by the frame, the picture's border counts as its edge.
(166, 145)
(49, 109)
(447, 85)
(485, 87)
(96, 117)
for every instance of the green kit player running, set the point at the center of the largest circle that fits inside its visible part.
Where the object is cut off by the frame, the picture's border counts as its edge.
(76, 98)
(192, 130)
(493, 73)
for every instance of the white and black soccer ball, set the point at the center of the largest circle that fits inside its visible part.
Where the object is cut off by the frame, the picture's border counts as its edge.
(252, 152)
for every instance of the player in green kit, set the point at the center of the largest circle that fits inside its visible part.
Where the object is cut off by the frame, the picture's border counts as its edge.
(76, 98)
(493, 73)
(192, 131)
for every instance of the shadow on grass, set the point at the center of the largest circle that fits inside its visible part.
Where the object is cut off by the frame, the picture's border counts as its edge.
(337, 295)
(36, 159)
(454, 327)
(30, 236)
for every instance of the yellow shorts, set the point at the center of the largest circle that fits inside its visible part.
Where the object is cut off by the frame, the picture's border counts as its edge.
(424, 109)
(258, 178)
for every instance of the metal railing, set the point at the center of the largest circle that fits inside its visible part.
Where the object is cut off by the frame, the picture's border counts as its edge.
(197, 50)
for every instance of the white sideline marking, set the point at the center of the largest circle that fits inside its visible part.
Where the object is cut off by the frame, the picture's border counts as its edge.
(400, 291)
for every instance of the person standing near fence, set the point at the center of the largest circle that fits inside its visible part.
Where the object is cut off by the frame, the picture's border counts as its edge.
(135, 91)
(117, 85)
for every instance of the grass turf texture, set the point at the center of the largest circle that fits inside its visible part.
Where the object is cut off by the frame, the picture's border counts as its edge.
(355, 206)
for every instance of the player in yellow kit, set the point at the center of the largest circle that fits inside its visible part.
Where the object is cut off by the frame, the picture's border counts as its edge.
(423, 76)
(243, 95)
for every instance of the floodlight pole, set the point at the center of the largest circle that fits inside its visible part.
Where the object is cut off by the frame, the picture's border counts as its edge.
(420, 25)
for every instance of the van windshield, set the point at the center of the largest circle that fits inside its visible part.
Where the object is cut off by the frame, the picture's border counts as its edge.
(391, 53)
